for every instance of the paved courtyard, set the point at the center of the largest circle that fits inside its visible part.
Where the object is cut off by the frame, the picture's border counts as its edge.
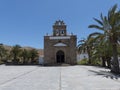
(57, 78)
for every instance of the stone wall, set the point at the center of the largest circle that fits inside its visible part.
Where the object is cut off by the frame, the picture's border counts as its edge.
(50, 50)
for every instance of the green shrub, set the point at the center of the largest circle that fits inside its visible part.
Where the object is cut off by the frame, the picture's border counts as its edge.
(83, 62)
(96, 62)
(1, 62)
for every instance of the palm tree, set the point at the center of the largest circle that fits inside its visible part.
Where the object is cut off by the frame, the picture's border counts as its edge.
(119, 51)
(86, 46)
(103, 54)
(110, 25)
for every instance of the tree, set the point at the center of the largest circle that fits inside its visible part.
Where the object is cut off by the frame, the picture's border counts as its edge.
(25, 56)
(3, 52)
(110, 25)
(102, 51)
(16, 53)
(33, 55)
(86, 46)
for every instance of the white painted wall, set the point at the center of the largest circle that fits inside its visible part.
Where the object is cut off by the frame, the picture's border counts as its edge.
(59, 37)
(82, 56)
(41, 60)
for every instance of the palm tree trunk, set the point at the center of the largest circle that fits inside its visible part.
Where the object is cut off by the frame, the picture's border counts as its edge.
(24, 59)
(89, 58)
(89, 55)
(115, 63)
(0, 57)
(103, 62)
(108, 62)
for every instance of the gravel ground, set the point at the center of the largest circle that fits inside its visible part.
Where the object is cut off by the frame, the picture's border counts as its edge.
(57, 78)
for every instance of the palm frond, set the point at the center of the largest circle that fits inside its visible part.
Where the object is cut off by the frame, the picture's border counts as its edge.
(98, 21)
(113, 9)
(94, 34)
(101, 16)
(96, 26)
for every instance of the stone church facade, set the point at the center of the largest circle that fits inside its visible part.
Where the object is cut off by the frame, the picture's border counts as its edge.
(60, 47)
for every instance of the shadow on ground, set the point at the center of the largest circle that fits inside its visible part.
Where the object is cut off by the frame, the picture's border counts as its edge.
(106, 74)
(41, 65)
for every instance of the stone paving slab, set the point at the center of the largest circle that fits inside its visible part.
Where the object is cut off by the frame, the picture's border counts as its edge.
(57, 78)
(31, 78)
(88, 78)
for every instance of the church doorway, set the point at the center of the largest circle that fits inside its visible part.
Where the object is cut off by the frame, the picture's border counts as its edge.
(60, 57)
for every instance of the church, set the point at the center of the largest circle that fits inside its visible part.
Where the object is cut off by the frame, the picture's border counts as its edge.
(60, 47)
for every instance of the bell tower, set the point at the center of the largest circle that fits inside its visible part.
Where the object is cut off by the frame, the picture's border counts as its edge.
(59, 28)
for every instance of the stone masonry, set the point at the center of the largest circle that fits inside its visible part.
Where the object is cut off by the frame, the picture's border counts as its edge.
(60, 47)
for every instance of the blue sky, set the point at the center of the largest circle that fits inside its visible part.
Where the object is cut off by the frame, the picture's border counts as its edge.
(25, 22)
